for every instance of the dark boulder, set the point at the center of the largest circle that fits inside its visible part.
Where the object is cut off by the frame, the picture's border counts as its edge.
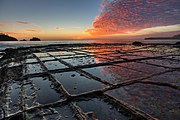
(177, 45)
(136, 43)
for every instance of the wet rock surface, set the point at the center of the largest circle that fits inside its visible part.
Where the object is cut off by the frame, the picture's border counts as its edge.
(90, 82)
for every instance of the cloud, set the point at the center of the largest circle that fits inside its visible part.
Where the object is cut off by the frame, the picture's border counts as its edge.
(26, 23)
(159, 29)
(37, 31)
(22, 22)
(2, 23)
(14, 33)
(127, 16)
(59, 28)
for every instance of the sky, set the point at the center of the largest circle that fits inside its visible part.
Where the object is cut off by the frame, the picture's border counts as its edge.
(89, 19)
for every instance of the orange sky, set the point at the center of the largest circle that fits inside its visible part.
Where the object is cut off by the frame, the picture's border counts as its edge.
(96, 19)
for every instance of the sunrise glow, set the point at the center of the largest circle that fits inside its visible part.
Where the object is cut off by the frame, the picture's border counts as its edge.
(95, 19)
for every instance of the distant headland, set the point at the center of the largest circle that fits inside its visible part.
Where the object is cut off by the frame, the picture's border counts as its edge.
(175, 37)
(5, 37)
(35, 39)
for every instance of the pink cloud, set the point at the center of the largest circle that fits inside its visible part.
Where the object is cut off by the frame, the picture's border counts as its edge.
(123, 16)
(34, 31)
(22, 22)
(26, 23)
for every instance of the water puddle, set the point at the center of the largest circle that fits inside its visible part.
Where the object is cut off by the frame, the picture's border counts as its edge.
(149, 69)
(66, 56)
(30, 94)
(80, 52)
(47, 58)
(166, 63)
(170, 77)
(107, 57)
(15, 98)
(97, 109)
(147, 53)
(33, 68)
(19, 90)
(41, 54)
(45, 91)
(161, 102)
(74, 83)
(114, 74)
(31, 60)
(57, 113)
(84, 61)
(52, 65)
(130, 57)
(58, 53)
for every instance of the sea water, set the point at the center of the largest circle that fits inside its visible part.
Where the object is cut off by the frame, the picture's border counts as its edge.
(16, 44)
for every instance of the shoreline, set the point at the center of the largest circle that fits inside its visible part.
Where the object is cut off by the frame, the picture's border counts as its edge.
(21, 45)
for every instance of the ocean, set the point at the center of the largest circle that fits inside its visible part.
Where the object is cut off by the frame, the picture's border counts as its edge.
(16, 44)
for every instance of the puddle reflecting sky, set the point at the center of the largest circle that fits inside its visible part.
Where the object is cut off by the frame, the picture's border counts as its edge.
(161, 102)
(158, 101)
(33, 68)
(84, 61)
(15, 94)
(45, 92)
(100, 110)
(170, 77)
(31, 60)
(74, 83)
(57, 113)
(115, 74)
(145, 68)
(166, 63)
(52, 65)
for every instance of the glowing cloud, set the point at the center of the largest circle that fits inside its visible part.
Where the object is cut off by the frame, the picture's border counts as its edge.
(37, 31)
(128, 16)
(59, 28)
(159, 29)
(26, 23)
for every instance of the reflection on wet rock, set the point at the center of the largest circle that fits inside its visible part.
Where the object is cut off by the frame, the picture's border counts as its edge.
(44, 91)
(98, 109)
(115, 74)
(74, 83)
(33, 68)
(151, 99)
(90, 82)
(52, 65)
